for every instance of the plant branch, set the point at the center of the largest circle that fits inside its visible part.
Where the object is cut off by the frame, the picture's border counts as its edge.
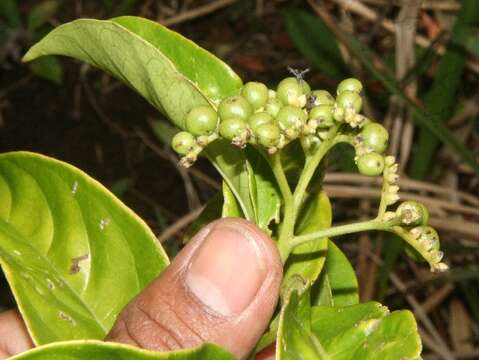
(278, 171)
(311, 165)
(287, 225)
(373, 224)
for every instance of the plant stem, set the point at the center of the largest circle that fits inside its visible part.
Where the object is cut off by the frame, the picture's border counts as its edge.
(292, 204)
(374, 224)
(278, 171)
(288, 211)
(382, 203)
(310, 167)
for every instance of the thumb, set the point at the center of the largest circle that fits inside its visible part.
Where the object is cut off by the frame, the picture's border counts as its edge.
(221, 288)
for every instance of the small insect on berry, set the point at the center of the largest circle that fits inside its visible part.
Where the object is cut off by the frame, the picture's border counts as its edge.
(412, 213)
(371, 164)
(350, 84)
(375, 136)
(268, 135)
(299, 75)
(349, 100)
(183, 142)
(233, 127)
(255, 93)
(235, 107)
(202, 120)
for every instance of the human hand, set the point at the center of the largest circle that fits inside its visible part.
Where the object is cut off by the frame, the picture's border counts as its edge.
(221, 288)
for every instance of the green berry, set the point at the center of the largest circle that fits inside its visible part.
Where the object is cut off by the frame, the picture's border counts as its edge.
(310, 142)
(305, 86)
(427, 237)
(412, 213)
(268, 135)
(235, 106)
(322, 97)
(323, 114)
(259, 119)
(371, 164)
(233, 127)
(183, 142)
(350, 84)
(255, 93)
(290, 117)
(273, 106)
(375, 136)
(202, 120)
(349, 100)
(289, 91)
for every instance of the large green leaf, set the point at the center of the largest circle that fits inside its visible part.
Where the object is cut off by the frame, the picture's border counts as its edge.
(232, 164)
(308, 259)
(170, 71)
(265, 193)
(230, 205)
(338, 285)
(73, 254)
(295, 340)
(363, 332)
(174, 77)
(215, 78)
(366, 332)
(98, 350)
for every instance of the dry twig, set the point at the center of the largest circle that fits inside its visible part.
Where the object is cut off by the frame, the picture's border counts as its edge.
(196, 12)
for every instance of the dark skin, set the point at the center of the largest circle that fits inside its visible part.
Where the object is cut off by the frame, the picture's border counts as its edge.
(222, 288)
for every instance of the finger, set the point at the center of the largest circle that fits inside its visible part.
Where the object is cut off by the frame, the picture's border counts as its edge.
(222, 288)
(267, 354)
(14, 337)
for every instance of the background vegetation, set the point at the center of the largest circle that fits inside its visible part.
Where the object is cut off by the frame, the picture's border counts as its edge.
(419, 61)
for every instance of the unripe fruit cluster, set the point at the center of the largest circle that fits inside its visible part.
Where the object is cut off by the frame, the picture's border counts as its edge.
(272, 118)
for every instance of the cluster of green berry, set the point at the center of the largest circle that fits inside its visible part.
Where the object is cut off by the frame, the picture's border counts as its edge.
(273, 118)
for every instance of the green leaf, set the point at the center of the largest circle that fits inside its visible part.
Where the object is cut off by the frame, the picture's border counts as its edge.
(98, 350)
(41, 13)
(10, 12)
(442, 98)
(233, 166)
(132, 59)
(295, 338)
(265, 195)
(316, 42)
(73, 254)
(341, 279)
(171, 72)
(48, 68)
(366, 331)
(163, 131)
(308, 259)
(215, 78)
(230, 205)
